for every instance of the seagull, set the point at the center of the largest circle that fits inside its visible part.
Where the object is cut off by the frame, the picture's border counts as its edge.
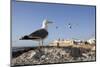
(69, 26)
(39, 34)
(56, 27)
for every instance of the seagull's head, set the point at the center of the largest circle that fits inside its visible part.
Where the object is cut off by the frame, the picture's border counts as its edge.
(46, 23)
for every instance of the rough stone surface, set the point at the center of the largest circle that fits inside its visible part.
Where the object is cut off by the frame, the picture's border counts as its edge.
(46, 55)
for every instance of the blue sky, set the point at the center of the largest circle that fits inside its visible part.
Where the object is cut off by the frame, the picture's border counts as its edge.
(28, 16)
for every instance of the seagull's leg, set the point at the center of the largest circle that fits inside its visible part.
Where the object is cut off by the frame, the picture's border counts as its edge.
(42, 42)
(39, 43)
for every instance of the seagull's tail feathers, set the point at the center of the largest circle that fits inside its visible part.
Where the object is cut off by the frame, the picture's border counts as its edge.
(24, 37)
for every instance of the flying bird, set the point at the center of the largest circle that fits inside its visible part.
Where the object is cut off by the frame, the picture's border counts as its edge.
(56, 27)
(69, 26)
(39, 34)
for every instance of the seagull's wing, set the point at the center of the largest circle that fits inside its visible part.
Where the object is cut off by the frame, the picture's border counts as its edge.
(40, 33)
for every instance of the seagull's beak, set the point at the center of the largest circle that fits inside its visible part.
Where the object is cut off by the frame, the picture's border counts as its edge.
(50, 22)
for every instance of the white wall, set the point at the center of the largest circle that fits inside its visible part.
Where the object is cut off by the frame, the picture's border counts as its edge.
(5, 33)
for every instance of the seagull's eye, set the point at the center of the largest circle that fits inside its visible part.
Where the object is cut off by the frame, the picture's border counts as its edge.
(46, 23)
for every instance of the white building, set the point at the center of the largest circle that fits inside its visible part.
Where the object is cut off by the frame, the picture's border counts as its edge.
(91, 41)
(62, 43)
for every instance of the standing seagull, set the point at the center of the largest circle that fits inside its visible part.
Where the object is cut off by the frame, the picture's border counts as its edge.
(40, 34)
